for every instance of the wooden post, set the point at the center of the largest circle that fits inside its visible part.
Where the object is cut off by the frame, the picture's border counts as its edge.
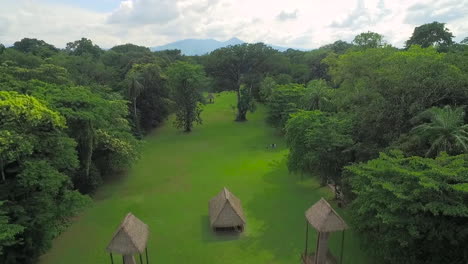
(317, 247)
(306, 239)
(112, 259)
(141, 259)
(146, 253)
(342, 247)
(322, 248)
(123, 259)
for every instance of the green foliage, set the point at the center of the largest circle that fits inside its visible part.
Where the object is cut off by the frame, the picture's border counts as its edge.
(412, 209)
(432, 34)
(368, 40)
(445, 131)
(82, 47)
(266, 88)
(8, 231)
(35, 154)
(284, 101)
(384, 89)
(319, 143)
(37, 47)
(240, 64)
(318, 96)
(149, 94)
(245, 103)
(185, 81)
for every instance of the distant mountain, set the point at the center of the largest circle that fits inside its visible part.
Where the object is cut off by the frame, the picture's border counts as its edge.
(192, 47)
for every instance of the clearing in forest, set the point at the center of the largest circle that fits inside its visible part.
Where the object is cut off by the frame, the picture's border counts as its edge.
(170, 186)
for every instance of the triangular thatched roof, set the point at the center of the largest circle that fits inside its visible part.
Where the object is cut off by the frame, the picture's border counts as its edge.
(324, 218)
(130, 238)
(226, 210)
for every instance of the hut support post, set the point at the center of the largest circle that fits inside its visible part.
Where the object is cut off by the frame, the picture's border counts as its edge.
(306, 239)
(342, 247)
(317, 247)
(322, 248)
(112, 259)
(146, 253)
(141, 259)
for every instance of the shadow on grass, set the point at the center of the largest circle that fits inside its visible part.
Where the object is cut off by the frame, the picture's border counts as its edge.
(210, 236)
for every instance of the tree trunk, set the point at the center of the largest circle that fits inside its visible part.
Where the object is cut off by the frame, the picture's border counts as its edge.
(241, 115)
(89, 148)
(1, 170)
(135, 115)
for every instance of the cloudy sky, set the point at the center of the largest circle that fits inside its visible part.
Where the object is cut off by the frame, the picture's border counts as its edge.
(292, 23)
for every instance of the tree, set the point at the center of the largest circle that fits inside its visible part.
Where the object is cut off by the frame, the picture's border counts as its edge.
(317, 96)
(266, 88)
(445, 131)
(185, 81)
(134, 89)
(284, 101)
(319, 143)
(236, 65)
(369, 40)
(339, 46)
(2, 48)
(412, 209)
(149, 94)
(432, 34)
(36, 157)
(37, 47)
(464, 41)
(385, 88)
(82, 47)
(8, 231)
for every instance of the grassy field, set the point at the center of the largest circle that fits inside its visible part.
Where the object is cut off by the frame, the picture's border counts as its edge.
(178, 173)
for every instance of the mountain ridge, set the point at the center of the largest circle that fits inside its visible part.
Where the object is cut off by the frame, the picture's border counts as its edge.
(193, 46)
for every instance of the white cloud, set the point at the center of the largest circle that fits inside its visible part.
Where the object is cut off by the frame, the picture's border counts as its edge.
(295, 23)
(144, 12)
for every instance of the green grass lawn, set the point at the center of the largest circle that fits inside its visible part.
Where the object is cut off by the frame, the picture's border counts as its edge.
(170, 186)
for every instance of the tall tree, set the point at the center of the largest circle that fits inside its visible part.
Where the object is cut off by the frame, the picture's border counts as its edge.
(369, 40)
(37, 47)
(432, 34)
(186, 81)
(319, 143)
(235, 65)
(82, 47)
(284, 101)
(134, 89)
(36, 158)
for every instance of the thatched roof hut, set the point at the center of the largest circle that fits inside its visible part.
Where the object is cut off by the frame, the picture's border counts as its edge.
(324, 218)
(130, 238)
(226, 211)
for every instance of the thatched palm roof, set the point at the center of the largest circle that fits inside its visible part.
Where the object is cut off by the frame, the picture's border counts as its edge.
(324, 218)
(130, 238)
(226, 210)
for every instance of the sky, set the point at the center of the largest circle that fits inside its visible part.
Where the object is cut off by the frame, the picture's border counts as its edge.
(305, 24)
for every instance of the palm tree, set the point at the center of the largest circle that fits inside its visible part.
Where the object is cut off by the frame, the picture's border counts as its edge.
(134, 89)
(445, 130)
(317, 96)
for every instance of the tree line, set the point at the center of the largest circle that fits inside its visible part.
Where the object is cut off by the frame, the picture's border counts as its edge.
(386, 126)
(72, 118)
